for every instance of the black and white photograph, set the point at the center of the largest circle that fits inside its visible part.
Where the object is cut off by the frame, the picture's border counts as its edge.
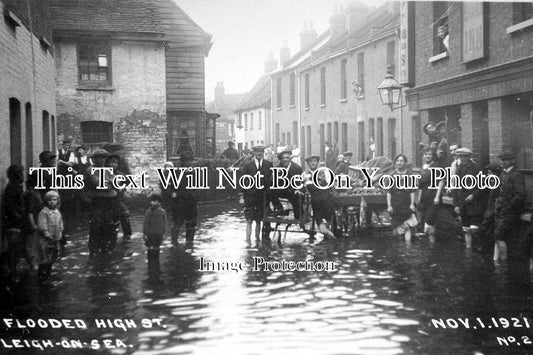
(266, 177)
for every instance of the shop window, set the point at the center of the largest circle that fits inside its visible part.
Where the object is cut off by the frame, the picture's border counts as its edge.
(306, 79)
(183, 135)
(441, 32)
(95, 132)
(323, 86)
(344, 82)
(260, 120)
(94, 64)
(15, 131)
(519, 110)
(292, 79)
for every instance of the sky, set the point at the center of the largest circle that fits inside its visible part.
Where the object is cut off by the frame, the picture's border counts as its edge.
(244, 31)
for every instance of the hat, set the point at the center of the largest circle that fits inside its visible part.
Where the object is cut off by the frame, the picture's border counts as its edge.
(50, 194)
(170, 164)
(155, 197)
(347, 153)
(311, 157)
(507, 155)
(67, 140)
(114, 155)
(327, 143)
(463, 151)
(258, 147)
(44, 156)
(284, 152)
(230, 142)
(112, 146)
(100, 153)
(186, 156)
(80, 147)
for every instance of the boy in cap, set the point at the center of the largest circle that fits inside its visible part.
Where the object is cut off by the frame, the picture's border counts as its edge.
(509, 204)
(185, 209)
(468, 203)
(113, 161)
(321, 199)
(155, 222)
(253, 198)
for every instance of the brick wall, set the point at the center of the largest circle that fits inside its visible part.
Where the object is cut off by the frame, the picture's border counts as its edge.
(501, 47)
(136, 105)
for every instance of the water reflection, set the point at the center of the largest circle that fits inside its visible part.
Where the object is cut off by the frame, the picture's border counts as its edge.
(380, 300)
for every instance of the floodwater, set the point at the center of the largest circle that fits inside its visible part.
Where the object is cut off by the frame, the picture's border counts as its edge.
(380, 300)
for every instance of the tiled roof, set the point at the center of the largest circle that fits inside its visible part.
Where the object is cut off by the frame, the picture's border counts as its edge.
(106, 15)
(259, 96)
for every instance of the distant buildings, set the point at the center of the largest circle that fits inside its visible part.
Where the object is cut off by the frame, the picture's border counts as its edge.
(327, 91)
(224, 105)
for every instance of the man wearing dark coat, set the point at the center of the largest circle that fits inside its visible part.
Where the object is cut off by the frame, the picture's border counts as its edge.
(509, 204)
(254, 198)
(230, 152)
(184, 206)
(288, 193)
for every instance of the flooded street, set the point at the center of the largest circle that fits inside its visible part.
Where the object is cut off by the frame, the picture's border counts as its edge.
(381, 300)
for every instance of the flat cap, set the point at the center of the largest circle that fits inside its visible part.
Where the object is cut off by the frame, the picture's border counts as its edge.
(347, 153)
(100, 153)
(312, 157)
(258, 147)
(463, 151)
(44, 156)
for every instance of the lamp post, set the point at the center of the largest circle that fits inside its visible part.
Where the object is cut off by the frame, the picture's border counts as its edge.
(390, 93)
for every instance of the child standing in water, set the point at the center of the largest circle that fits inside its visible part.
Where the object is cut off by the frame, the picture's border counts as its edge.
(50, 225)
(155, 221)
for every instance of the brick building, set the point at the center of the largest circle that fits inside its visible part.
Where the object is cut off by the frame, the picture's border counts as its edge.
(224, 105)
(131, 72)
(482, 84)
(27, 108)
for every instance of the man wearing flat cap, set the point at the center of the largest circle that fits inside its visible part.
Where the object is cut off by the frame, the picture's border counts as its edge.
(254, 199)
(343, 164)
(288, 193)
(509, 204)
(469, 204)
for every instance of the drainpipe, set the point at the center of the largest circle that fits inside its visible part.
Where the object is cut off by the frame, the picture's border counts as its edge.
(299, 108)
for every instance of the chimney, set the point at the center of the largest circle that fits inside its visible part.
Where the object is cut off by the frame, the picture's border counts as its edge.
(271, 63)
(336, 23)
(355, 14)
(219, 91)
(307, 35)
(284, 53)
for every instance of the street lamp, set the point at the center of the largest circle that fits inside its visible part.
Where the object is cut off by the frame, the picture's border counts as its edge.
(390, 91)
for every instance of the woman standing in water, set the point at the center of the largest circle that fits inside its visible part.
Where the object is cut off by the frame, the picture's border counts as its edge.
(401, 202)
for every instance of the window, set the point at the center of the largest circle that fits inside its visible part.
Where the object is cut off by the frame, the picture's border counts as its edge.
(344, 83)
(360, 85)
(440, 27)
(309, 142)
(259, 120)
(522, 11)
(94, 63)
(306, 91)
(416, 138)
(46, 130)
(344, 135)
(392, 137)
(322, 86)
(283, 141)
(329, 133)
(520, 126)
(371, 129)
(322, 141)
(361, 136)
(239, 123)
(292, 89)
(96, 132)
(183, 135)
(251, 121)
(278, 142)
(295, 132)
(379, 143)
(245, 121)
(390, 57)
(29, 135)
(15, 131)
(303, 152)
(288, 138)
(336, 131)
(54, 134)
(278, 92)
